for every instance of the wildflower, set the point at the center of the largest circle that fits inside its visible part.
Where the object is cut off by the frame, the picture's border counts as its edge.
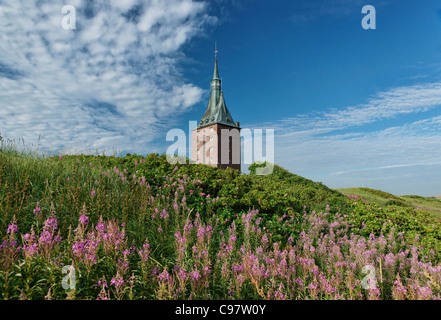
(118, 281)
(164, 214)
(92, 193)
(164, 276)
(12, 228)
(100, 226)
(84, 219)
(201, 232)
(51, 223)
(37, 210)
(195, 275)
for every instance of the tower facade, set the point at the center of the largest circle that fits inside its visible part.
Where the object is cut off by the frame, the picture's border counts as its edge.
(216, 140)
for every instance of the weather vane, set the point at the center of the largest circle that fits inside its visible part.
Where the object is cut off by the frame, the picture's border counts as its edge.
(215, 49)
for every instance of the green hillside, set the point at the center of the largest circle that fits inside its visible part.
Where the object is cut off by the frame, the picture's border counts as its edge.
(430, 204)
(138, 227)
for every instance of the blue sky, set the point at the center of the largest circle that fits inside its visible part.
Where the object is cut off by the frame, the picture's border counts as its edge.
(350, 107)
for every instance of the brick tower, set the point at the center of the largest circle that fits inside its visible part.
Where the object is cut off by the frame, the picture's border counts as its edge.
(216, 140)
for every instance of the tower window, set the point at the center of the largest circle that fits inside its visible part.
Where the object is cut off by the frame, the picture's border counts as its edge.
(211, 138)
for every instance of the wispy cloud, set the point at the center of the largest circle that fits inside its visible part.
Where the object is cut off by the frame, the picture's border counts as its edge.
(385, 105)
(410, 165)
(112, 82)
(343, 146)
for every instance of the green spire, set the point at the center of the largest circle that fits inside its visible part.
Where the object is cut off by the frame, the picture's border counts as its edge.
(216, 72)
(217, 111)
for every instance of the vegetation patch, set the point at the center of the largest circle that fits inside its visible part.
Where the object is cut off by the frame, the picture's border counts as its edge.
(138, 227)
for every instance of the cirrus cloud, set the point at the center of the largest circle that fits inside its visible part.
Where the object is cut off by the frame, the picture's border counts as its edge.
(113, 82)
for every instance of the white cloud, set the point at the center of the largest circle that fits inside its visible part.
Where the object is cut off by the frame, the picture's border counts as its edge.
(342, 147)
(111, 82)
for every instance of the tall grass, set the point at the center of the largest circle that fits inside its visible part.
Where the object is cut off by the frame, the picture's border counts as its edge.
(138, 228)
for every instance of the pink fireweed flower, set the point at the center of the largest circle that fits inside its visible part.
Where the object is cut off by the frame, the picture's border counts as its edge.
(144, 253)
(195, 275)
(28, 237)
(182, 275)
(93, 193)
(164, 276)
(164, 215)
(47, 237)
(118, 281)
(37, 210)
(51, 223)
(101, 227)
(12, 228)
(30, 249)
(201, 232)
(84, 219)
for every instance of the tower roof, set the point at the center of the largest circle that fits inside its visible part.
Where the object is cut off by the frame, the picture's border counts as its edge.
(216, 72)
(217, 111)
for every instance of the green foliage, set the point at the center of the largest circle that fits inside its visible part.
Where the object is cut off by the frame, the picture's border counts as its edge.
(380, 193)
(133, 191)
(371, 218)
(301, 191)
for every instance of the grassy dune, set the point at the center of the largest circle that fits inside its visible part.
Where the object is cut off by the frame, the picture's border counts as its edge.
(430, 204)
(138, 227)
